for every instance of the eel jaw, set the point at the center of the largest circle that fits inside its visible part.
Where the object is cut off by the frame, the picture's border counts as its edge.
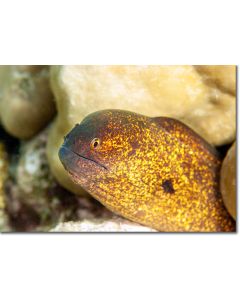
(79, 166)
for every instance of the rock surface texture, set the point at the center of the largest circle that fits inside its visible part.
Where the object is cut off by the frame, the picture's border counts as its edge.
(35, 201)
(114, 224)
(228, 181)
(222, 77)
(203, 98)
(26, 100)
(3, 177)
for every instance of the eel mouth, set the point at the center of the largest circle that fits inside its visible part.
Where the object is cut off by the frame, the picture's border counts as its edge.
(76, 163)
(89, 159)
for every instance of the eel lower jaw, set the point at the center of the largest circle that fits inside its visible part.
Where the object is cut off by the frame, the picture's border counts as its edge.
(78, 165)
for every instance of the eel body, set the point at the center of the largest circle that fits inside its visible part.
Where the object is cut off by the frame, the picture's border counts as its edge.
(154, 171)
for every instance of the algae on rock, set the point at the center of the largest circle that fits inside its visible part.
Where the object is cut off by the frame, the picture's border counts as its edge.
(180, 92)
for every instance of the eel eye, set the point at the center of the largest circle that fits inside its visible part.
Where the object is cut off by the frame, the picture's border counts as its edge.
(95, 143)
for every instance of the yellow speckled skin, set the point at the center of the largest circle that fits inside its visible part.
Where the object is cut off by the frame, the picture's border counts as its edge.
(154, 171)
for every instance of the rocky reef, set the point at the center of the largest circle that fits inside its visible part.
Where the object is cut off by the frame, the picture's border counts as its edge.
(36, 193)
(35, 201)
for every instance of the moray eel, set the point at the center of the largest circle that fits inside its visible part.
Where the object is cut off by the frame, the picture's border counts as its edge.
(154, 171)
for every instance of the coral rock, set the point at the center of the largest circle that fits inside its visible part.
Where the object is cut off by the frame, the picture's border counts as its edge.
(26, 100)
(35, 201)
(224, 77)
(114, 224)
(3, 177)
(175, 91)
(228, 181)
